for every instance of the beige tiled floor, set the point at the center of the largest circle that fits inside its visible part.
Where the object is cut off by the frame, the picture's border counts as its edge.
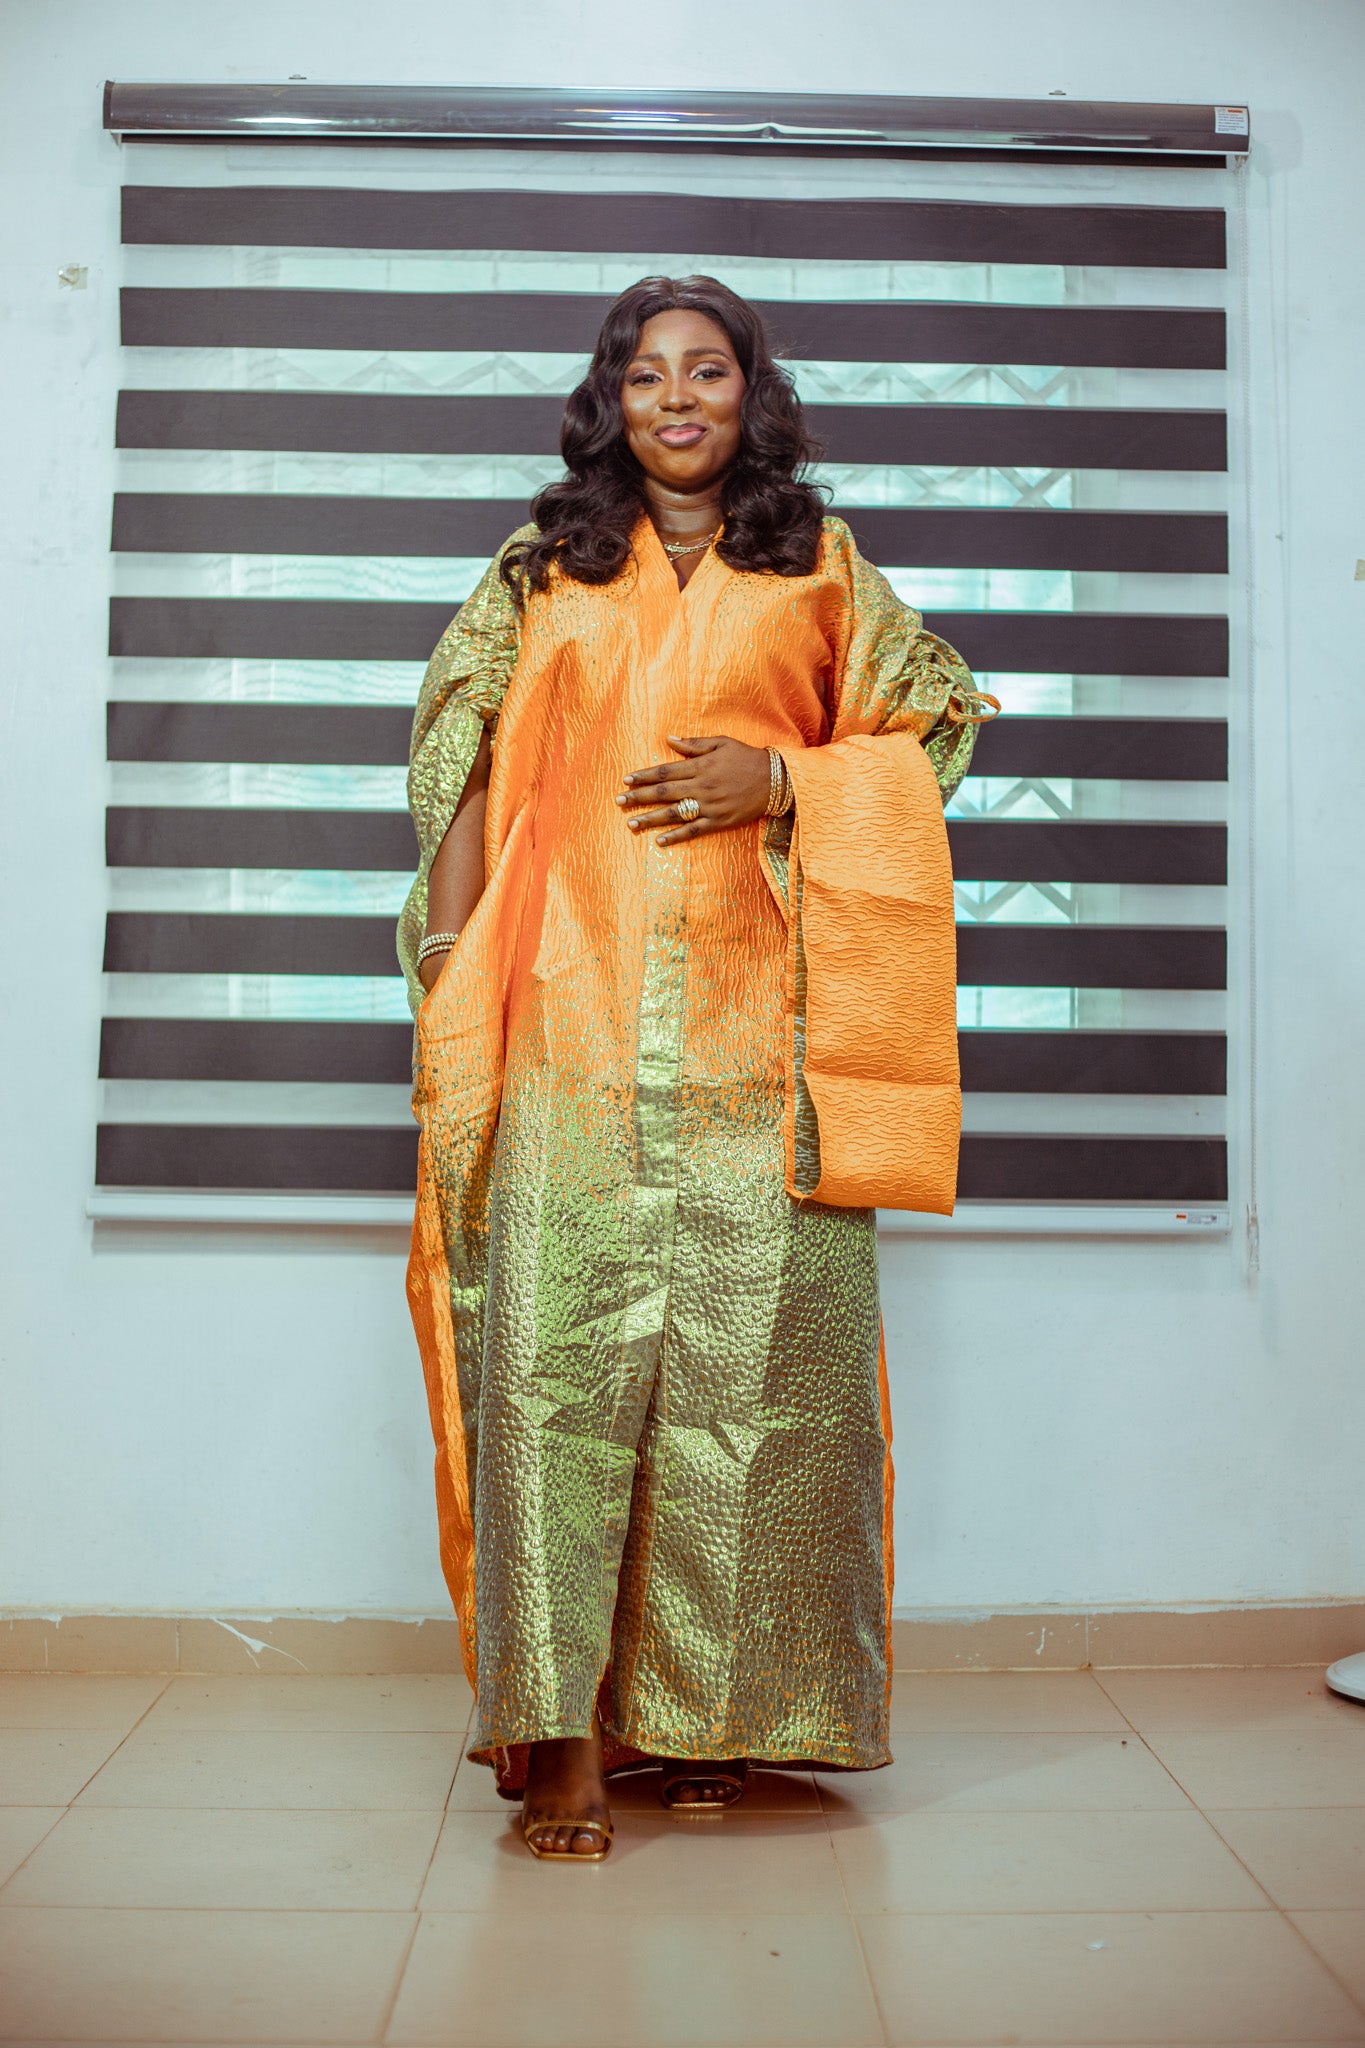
(1056, 1858)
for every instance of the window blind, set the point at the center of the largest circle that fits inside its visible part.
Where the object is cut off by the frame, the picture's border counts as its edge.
(343, 381)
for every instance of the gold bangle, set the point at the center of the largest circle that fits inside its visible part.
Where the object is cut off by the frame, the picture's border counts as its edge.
(777, 782)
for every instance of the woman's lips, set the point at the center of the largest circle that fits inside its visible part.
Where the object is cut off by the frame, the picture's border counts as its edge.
(679, 437)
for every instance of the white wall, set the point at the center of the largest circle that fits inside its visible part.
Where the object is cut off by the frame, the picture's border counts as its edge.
(235, 1423)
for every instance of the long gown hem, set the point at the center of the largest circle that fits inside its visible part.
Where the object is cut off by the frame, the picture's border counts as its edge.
(633, 1757)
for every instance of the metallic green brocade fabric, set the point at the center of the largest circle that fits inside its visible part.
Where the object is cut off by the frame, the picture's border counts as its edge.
(671, 1413)
(465, 682)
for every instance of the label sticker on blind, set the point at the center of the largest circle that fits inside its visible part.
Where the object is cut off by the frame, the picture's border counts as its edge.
(1230, 121)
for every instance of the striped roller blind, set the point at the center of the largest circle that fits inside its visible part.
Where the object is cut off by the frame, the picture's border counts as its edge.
(343, 377)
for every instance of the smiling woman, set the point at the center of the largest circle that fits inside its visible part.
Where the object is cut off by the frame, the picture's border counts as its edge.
(683, 404)
(681, 952)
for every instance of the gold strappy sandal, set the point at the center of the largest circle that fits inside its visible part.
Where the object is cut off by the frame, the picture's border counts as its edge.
(531, 1824)
(676, 1773)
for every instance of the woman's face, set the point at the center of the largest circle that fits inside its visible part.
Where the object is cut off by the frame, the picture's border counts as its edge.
(680, 400)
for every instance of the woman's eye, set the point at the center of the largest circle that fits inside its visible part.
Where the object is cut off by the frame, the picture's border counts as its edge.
(641, 377)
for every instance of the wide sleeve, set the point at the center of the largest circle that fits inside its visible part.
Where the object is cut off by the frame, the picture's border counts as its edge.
(896, 677)
(873, 1100)
(462, 692)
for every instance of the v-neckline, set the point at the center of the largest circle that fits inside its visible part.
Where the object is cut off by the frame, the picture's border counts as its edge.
(664, 560)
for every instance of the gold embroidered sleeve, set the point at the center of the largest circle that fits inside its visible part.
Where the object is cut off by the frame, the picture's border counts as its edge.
(896, 677)
(461, 694)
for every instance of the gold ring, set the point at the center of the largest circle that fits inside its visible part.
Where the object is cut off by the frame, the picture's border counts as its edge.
(687, 809)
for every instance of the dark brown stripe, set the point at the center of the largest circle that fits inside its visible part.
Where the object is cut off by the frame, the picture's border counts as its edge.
(652, 224)
(1006, 956)
(245, 942)
(566, 323)
(1036, 1169)
(1173, 543)
(1092, 956)
(340, 423)
(1094, 1062)
(1113, 749)
(996, 1169)
(1021, 436)
(1012, 1062)
(263, 1156)
(1028, 852)
(1087, 643)
(256, 1049)
(200, 523)
(348, 423)
(174, 837)
(336, 735)
(306, 629)
(1106, 749)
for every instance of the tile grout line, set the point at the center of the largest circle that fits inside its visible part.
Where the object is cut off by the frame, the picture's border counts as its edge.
(32, 1852)
(853, 1921)
(228, 1912)
(1280, 1911)
(127, 1733)
(391, 2008)
(1319, 1959)
(1187, 1793)
(1204, 2041)
(661, 1913)
(168, 1680)
(1302, 1938)
(461, 1737)
(1286, 1913)
(80, 1788)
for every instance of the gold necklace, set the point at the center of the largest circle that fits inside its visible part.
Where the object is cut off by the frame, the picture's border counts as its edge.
(674, 549)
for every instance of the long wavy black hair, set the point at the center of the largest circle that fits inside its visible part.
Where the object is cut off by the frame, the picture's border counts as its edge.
(772, 515)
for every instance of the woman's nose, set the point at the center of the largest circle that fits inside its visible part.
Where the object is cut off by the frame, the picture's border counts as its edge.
(677, 398)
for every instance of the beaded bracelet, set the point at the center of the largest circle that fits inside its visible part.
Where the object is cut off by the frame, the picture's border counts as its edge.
(435, 942)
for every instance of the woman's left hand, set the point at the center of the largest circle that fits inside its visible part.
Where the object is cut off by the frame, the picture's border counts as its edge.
(730, 781)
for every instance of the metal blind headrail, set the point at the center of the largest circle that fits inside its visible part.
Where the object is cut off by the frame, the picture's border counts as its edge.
(314, 112)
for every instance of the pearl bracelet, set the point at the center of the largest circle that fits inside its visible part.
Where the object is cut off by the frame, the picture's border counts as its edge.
(435, 942)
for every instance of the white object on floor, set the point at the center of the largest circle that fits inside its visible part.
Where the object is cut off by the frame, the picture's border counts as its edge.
(1347, 1675)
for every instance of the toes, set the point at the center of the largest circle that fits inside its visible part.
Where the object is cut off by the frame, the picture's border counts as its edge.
(565, 1841)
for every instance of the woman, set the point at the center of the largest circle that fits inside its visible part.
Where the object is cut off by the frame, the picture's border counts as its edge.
(681, 952)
